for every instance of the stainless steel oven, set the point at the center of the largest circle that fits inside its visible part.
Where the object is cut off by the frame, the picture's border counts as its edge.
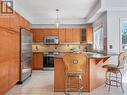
(48, 61)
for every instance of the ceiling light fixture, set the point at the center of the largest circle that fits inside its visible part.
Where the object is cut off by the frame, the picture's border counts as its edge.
(57, 18)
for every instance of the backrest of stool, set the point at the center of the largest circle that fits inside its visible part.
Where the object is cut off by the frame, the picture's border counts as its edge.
(74, 62)
(121, 59)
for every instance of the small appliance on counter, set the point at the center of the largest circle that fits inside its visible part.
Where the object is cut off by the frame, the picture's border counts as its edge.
(50, 40)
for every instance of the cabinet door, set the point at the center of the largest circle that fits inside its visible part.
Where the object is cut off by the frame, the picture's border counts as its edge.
(33, 35)
(62, 35)
(27, 25)
(76, 35)
(4, 21)
(9, 59)
(89, 33)
(13, 56)
(47, 32)
(39, 36)
(69, 35)
(54, 32)
(83, 35)
(37, 61)
(3, 61)
(14, 22)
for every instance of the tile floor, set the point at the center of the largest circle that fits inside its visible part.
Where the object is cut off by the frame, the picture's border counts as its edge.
(41, 83)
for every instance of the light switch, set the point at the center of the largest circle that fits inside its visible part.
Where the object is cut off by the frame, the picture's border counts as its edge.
(110, 47)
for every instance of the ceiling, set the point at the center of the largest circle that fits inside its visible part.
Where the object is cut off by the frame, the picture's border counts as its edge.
(43, 11)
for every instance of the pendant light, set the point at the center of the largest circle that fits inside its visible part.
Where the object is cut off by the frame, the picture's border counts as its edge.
(57, 18)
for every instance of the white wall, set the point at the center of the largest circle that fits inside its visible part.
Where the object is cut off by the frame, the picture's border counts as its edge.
(113, 30)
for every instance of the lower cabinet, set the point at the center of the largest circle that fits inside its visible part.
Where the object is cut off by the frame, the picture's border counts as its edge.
(37, 61)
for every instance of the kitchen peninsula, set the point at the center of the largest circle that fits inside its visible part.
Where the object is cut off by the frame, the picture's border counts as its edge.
(94, 74)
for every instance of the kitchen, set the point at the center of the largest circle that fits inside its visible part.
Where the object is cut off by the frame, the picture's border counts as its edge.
(64, 42)
(35, 38)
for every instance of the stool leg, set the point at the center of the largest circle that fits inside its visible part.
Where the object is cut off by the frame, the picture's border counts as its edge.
(121, 81)
(66, 86)
(80, 85)
(109, 81)
(116, 81)
(106, 78)
(69, 85)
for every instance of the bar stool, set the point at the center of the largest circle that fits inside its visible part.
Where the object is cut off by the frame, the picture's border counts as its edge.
(113, 74)
(74, 70)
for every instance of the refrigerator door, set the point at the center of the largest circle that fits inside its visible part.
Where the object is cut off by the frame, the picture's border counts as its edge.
(26, 54)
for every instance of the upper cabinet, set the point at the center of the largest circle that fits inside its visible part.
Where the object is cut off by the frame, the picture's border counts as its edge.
(14, 22)
(64, 34)
(89, 34)
(69, 35)
(4, 21)
(54, 32)
(24, 23)
(83, 35)
(76, 35)
(73, 35)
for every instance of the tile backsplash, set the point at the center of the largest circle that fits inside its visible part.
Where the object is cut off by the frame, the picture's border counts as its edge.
(59, 48)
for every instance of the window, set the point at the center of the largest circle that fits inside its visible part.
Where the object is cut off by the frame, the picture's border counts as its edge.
(123, 28)
(98, 39)
(6, 7)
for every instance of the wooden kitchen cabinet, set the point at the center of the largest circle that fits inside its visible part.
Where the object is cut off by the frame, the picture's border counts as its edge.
(62, 35)
(4, 21)
(37, 35)
(3, 61)
(73, 35)
(14, 22)
(24, 23)
(69, 35)
(54, 32)
(9, 59)
(89, 34)
(13, 59)
(76, 35)
(37, 61)
(9, 49)
(34, 36)
(46, 32)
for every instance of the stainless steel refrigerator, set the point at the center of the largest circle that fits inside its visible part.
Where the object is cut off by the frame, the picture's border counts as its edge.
(25, 54)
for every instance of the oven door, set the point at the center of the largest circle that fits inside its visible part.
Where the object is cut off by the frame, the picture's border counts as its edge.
(48, 61)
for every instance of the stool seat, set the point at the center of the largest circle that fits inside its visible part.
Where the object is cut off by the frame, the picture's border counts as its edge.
(112, 68)
(74, 74)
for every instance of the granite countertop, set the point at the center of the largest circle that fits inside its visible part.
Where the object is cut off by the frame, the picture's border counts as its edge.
(89, 54)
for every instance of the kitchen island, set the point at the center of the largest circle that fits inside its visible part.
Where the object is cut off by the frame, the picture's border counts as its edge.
(94, 74)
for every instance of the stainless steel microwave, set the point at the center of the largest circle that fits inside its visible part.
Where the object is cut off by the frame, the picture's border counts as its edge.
(51, 40)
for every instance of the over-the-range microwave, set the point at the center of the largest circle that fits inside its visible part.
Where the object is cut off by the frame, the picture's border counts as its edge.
(51, 40)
